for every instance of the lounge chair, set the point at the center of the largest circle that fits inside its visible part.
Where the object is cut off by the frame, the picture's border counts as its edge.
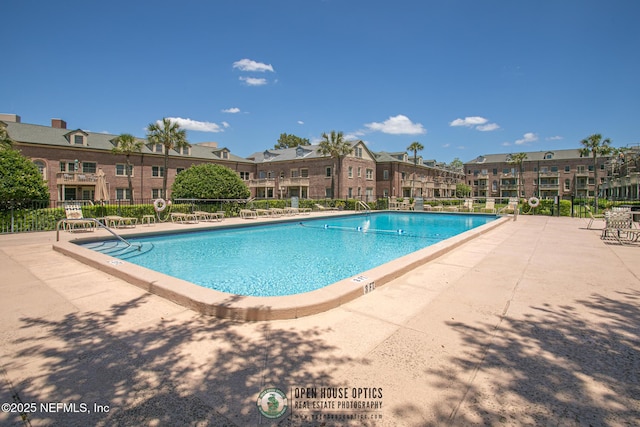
(75, 221)
(277, 212)
(209, 216)
(184, 218)
(467, 206)
(248, 214)
(323, 208)
(262, 212)
(116, 221)
(489, 206)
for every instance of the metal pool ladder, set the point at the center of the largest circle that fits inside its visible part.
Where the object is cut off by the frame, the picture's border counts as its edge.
(101, 225)
(362, 205)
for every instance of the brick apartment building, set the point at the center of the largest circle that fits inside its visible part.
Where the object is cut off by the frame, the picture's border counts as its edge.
(546, 174)
(70, 160)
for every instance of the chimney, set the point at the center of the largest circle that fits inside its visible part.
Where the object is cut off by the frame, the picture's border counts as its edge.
(58, 124)
(13, 118)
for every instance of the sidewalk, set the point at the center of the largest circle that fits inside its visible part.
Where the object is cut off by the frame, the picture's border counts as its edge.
(533, 323)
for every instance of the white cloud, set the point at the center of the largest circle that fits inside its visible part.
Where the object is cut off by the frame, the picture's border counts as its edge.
(232, 110)
(554, 138)
(252, 81)
(225, 124)
(397, 125)
(477, 122)
(195, 125)
(526, 138)
(469, 121)
(506, 144)
(446, 145)
(300, 122)
(250, 65)
(488, 127)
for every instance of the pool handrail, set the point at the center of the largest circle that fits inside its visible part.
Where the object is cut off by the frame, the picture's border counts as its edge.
(99, 224)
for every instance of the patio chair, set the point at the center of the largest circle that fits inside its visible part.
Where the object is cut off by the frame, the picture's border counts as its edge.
(324, 208)
(619, 227)
(592, 218)
(248, 214)
(209, 216)
(184, 218)
(75, 221)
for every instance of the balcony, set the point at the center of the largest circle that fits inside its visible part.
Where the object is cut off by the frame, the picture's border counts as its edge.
(76, 178)
(264, 182)
(294, 182)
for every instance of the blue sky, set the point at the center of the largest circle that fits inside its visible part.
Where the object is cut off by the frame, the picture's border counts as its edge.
(462, 77)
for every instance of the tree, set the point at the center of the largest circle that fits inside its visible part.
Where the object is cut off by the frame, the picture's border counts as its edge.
(595, 146)
(290, 141)
(462, 190)
(209, 181)
(336, 147)
(171, 137)
(456, 165)
(20, 179)
(518, 160)
(415, 147)
(5, 141)
(127, 144)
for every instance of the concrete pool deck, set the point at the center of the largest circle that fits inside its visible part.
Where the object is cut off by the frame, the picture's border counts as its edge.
(535, 322)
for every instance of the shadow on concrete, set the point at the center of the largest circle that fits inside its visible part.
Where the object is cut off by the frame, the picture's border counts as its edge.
(557, 367)
(199, 371)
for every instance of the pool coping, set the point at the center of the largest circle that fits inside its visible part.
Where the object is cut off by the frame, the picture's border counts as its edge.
(250, 308)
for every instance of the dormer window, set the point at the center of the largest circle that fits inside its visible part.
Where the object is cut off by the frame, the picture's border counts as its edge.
(157, 148)
(225, 154)
(184, 150)
(548, 155)
(482, 159)
(77, 137)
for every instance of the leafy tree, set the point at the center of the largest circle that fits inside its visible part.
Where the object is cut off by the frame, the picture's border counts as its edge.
(415, 147)
(290, 141)
(20, 179)
(209, 181)
(595, 146)
(336, 147)
(456, 164)
(128, 144)
(171, 137)
(518, 160)
(462, 190)
(5, 141)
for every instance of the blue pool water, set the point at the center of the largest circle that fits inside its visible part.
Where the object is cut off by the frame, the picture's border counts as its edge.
(292, 257)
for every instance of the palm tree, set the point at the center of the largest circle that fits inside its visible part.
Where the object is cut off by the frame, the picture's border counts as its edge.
(518, 160)
(171, 137)
(415, 147)
(595, 146)
(336, 147)
(127, 144)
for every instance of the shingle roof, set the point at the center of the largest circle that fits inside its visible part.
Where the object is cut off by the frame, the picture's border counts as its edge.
(45, 135)
(532, 156)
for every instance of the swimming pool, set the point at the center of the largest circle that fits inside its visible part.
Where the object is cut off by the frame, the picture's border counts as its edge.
(291, 257)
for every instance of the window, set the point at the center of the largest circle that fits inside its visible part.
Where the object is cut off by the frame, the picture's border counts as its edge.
(304, 173)
(225, 154)
(494, 171)
(350, 192)
(327, 192)
(554, 169)
(567, 184)
(78, 139)
(178, 170)
(89, 167)
(404, 176)
(590, 168)
(157, 171)
(157, 148)
(494, 185)
(359, 172)
(156, 193)
(385, 175)
(369, 174)
(244, 176)
(350, 172)
(295, 173)
(121, 170)
(580, 169)
(184, 150)
(567, 168)
(262, 174)
(548, 156)
(358, 152)
(122, 194)
(327, 172)
(505, 171)
(41, 167)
